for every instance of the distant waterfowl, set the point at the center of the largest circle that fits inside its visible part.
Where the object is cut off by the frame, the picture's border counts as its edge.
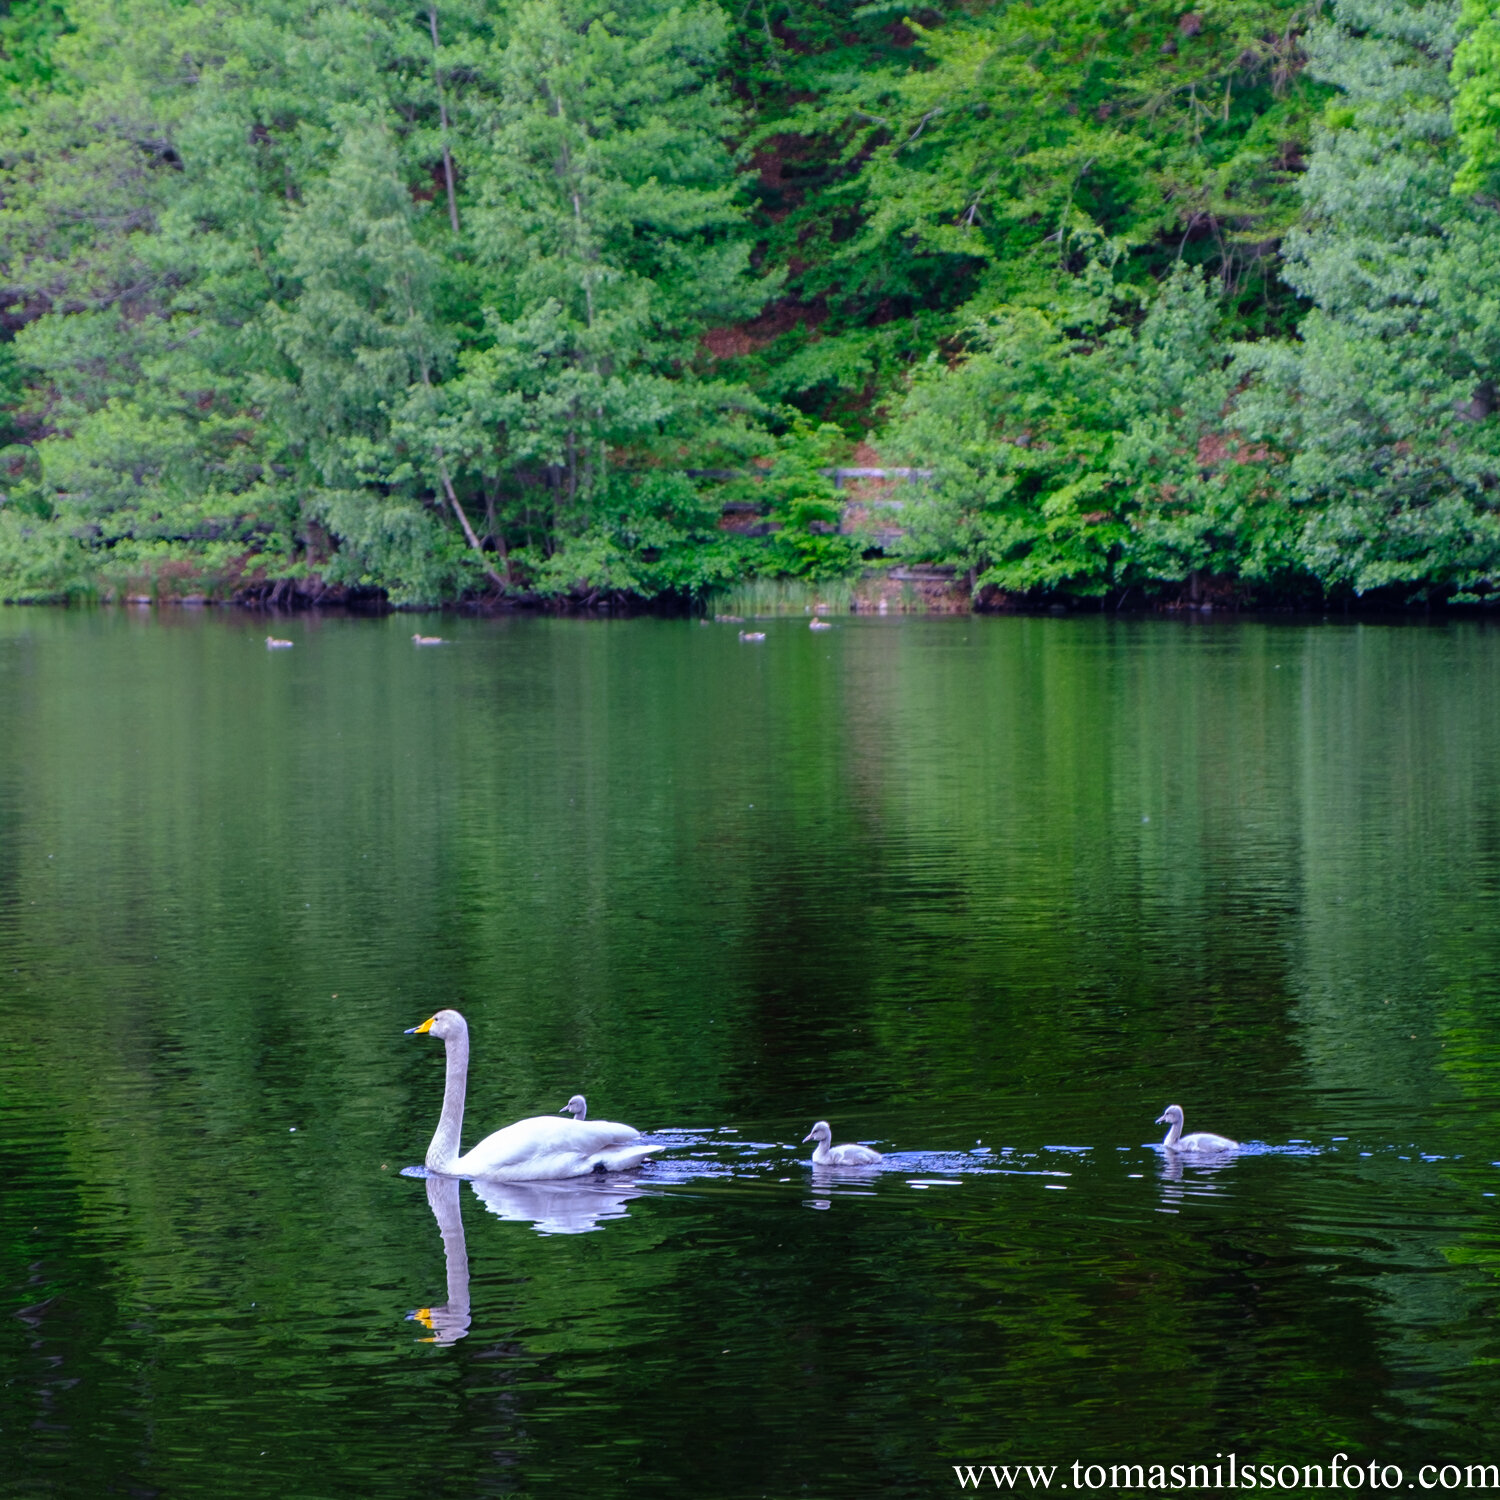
(825, 1155)
(1200, 1140)
(533, 1150)
(577, 1106)
(752, 635)
(273, 643)
(819, 625)
(428, 640)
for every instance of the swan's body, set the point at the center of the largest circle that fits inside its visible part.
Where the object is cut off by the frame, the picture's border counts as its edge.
(752, 635)
(819, 625)
(533, 1150)
(825, 1155)
(577, 1106)
(427, 640)
(275, 644)
(1200, 1140)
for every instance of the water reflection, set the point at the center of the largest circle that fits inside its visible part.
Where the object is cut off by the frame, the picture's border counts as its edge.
(450, 1321)
(913, 882)
(1186, 1176)
(570, 1205)
(829, 1182)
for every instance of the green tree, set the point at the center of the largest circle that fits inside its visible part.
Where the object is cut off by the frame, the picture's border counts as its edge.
(1385, 407)
(1081, 451)
(1476, 101)
(607, 229)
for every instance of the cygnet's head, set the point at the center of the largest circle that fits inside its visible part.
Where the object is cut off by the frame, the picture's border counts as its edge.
(444, 1024)
(819, 1132)
(1171, 1115)
(576, 1106)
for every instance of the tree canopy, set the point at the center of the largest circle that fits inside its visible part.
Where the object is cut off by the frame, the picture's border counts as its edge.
(335, 298)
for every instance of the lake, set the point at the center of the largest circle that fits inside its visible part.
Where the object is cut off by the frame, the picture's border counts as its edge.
(986, 893)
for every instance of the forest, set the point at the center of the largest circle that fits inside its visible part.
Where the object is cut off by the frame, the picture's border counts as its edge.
(580, 303)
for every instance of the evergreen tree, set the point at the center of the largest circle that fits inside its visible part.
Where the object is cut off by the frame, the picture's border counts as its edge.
(607, 230)
(1385, 407)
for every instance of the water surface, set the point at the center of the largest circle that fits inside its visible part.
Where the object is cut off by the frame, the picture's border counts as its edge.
(988, 893)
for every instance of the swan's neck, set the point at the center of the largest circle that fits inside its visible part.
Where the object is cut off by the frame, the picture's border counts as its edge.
(1170, 1139)
(445, 1139)
(821, 1153)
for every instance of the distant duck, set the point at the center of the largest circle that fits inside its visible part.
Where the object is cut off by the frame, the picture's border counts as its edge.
(752, 635)
(819, 625)
(577, 1106)
(274, 643)
(1200, 1140)
(825, 1155)
(428, 640)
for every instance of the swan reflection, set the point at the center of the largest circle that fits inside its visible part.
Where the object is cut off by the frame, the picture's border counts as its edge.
(568, 1205)
(450, 1322)
(833, 1181)
(1192, 1176)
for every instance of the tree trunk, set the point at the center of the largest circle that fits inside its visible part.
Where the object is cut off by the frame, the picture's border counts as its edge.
(437, 79)
(463, 521)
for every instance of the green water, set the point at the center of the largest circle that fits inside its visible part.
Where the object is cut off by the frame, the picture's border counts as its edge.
(987, 893)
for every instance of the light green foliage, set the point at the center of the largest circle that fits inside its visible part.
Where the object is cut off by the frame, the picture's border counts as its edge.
(1068, 448)
(978, 158)
(28, 29)
(1476, 101)
(804, 506)
(1385, 407)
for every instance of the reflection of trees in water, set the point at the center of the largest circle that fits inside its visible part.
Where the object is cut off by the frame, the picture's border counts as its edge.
(565, 831)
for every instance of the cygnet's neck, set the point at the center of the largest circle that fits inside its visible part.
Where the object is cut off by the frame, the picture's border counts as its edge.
(1173, 1130)
(445, 1139)
(821, 1152)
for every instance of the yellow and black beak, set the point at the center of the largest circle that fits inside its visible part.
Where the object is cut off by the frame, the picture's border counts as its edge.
(418, 1030)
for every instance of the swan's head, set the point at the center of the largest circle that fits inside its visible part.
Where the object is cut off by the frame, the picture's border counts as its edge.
(1171, 1115)
(575, 1106)
(819, 1132)
(444, 1024)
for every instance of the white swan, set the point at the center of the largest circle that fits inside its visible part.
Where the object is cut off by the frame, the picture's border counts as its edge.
(1200, 1140)
(577, 1106)
(825, 1155)
(533, 1150)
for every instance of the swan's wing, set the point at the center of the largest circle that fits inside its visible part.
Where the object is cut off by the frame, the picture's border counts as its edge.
(544, 1140)
(853, 1156)
(623, 1158)
(1206, 1140)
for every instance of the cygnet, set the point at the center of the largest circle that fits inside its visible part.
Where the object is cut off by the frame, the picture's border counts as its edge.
(825, 1155)
(1200, 1140)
